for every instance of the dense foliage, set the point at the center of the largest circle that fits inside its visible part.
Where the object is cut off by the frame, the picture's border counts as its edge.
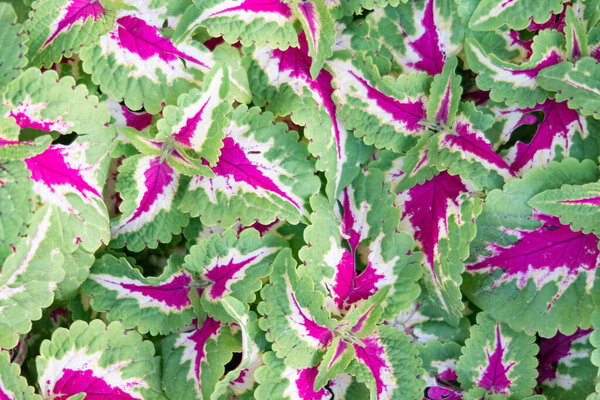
(299, 199)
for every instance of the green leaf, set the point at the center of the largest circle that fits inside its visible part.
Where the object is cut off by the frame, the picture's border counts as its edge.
(29, 275)
(13, 46)
(498, 359)
(516, 83)
(12, 385)
(516, 14)
(16, 205)
(576, 205)
(577, 83)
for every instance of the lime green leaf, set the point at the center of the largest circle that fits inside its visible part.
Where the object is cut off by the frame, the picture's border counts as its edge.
(517, 14)
(577, 83)
(13, 46)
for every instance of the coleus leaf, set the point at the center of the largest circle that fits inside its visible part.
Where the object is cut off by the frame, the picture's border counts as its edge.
(577, 83)
(16, 204)
(293, 315)
(382, 111)
(575, 35)
(439, 363)
(525, 259)
(14, 46)
(440, 214)
(556, 133)
(135, 63)
(516, 83)
(424, 322)
(58, 28)
(12, 385)
(262, 173)
(241, 381)
(42, 101)
(319, 30)
(159, 305)
(576, 205)
(517, 14)
(67, 177)
(464, 149)
(278, 380)
(444, 95)
(194, 360)
(357, 324)
(564, 367)
(231, 264)
(368, 218)
(389, 365)
(311, 104)
(151, 191)
(498, 359)
(197, 121)
(257, 22)
(105, 361)
(417, 36)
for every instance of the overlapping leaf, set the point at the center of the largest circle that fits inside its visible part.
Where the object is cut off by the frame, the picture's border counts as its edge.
(311, 104)
(262, 174)
(231, 264)
(539, 269)
(248, 21)
(58, 28)
(134, 62)
(497, 359)
(194, 360)
(151, 191)
(158, 305)
(577, 83)
(105, 361)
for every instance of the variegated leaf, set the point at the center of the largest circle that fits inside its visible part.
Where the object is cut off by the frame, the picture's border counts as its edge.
(497, 359)
(194, 360)
(59, 28)
(577, 83)
(151, 191)
(516, 83)
(257, 22)
(135, 63)
(293, 316)
(262, 174)
(530, 262)
(159, 305)
(311, 104)
(12, 385)
(231, 264)
(105, 361)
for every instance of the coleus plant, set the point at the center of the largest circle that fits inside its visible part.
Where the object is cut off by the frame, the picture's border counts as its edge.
(299, 199)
